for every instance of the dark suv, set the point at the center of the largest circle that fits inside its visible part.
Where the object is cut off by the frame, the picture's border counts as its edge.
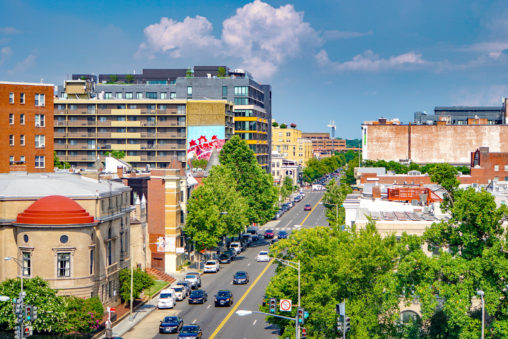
(171, 324)
(224, 298)
(198, 297)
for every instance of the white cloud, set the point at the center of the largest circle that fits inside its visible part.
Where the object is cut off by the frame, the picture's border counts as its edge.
(369, 61)
(493, 49)
(9, 30)
(5, 53)
(23, 65)
(334, 34)
(261, 36)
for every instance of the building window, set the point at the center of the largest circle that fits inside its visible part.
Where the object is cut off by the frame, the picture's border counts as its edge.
(119, 95)
(241, 101)
(189, 91)
(11, 160)
(172, 95)
(108, 95)
(128, 95)
(181, 109)
(224, 92)
(91, 260)
(27, 264)
(139, 95)
(73, 107)
(11, 140)
(22, 119)
(506, 168)
(22, 140)
(40, 141)
(11, 98)
(151, 95)
(11, 119)
(63, 264)
(496, 168)
(110, 247)
(164, 95)
(39, 161)
(22, 98)
(241, 91)
(22, 159)
(40, 100)
(39, 120)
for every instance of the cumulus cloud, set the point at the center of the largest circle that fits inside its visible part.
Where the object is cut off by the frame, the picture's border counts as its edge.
(23, 65)
(5, 53)
(263, 37)
(369, 61)
(9, 30)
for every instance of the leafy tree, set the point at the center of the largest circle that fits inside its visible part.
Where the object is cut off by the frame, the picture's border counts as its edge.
(113, 78)
(315, 169)
(83, 315)
(189, 73)
(140, 281)
(221, 72)
(353, 143)
(129, 78)
(58, 163)
(199, 163)
(253, 183)
(287, 188)
(216, 209)
(446, 176)
(116, 154)
(333, 199)
(82, 77)
(275, 124)
(283, 126)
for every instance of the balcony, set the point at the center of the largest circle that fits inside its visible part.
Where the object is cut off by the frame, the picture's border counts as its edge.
(60, 135)
(148, 123)
(78, 123)
(169, 135)
(170, 147)
(83, 157)
(170, 124)
(104, 147)
(103, 135)
(78, 147)
(104, 123)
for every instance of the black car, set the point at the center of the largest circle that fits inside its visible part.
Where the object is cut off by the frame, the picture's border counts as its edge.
(241, 277)
(232, 253)
(171, 325)
(224, 298)
(190, 332)
(224, 258)
(198, 297)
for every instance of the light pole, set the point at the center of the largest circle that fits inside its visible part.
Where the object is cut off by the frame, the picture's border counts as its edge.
(481, 294)
(21, 294)
(296, 266)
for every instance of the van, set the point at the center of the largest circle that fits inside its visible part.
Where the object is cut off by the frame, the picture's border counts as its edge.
(167, 299)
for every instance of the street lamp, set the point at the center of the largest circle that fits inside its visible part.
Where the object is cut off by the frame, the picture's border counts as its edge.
(481, 294)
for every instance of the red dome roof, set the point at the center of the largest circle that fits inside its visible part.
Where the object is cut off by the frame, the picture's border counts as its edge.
(54, 210)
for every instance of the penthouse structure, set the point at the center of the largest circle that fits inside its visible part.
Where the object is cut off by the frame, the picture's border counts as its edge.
(252, 102)
(26, 112)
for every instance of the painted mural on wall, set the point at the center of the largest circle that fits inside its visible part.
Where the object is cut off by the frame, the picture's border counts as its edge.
(202, 139)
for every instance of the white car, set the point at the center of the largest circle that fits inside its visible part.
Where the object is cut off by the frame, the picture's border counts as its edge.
(167, 299)
(236, 246)
(263, 256)
(212, 266)
(180, 292)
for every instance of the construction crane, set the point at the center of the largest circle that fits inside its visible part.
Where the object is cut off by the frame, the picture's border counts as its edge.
(333, 127)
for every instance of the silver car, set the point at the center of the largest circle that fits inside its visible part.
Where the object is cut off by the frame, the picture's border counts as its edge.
(194, 279)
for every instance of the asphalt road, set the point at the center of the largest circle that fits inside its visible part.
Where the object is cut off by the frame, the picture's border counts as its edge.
(223, 322)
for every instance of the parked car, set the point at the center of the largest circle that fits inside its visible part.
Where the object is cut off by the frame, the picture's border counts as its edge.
(194, 279)
(224, 298)
(212, 266)
(240, 277)
(198, 297)
(185, 285)
(190, 332)
(307, 207)
(298, 198)
(224, 258)
(171, 324)
(180, 292)
(167, 299)
(237, 246)
(277, 215)
(232, 253)
(263, 256)
(269, 234)
(282, 235)
(246, 238)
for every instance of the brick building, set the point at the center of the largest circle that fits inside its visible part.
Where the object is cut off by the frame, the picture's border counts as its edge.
(322, 143)
(488, 166)
(26, 122)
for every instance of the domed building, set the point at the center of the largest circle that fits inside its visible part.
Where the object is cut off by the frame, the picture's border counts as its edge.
(70, 230)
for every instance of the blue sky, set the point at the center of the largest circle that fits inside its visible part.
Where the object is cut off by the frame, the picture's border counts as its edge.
(347, 61)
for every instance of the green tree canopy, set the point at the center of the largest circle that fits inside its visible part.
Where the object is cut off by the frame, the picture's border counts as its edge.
(116, 154)
(140, 281)
(253, 183)
(333, 199)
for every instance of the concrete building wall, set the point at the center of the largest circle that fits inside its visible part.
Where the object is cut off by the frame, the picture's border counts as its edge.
(431, 143)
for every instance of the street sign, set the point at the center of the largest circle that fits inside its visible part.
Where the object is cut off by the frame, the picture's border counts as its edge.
(285, 305)
(111, 309)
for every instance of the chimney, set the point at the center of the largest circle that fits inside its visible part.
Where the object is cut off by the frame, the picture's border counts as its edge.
(119, 171)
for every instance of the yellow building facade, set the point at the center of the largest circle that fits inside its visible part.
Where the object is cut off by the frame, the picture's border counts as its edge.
(288, 142)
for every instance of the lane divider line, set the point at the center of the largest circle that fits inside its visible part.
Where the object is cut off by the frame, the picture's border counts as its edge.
(312, 210)
(237, 304)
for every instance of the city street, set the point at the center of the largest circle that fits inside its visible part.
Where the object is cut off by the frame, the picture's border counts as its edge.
(223, 322)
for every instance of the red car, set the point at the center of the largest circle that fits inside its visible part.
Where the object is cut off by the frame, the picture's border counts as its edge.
(307, 207)
(269, 234)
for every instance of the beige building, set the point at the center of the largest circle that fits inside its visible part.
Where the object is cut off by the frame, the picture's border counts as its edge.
(70, 230)
(288, 142)
(282, 168)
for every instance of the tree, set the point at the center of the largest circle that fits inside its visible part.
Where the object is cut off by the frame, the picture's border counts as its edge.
(113, 78)
(199, 163)
(333, 199)
(116, 154)
(287, 188)
(216, 209)
(253, 183)
(275, 124)
(83, 315)
(221, 72)
(58, 163)
(292, 125)
(315, 168)
(141, 280)
(283, 126)
(129, 78)
(357, 265)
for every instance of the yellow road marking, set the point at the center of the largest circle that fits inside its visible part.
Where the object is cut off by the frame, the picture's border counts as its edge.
(312, 210)
(240, 301)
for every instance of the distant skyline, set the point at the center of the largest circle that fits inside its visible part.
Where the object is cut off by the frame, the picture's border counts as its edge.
(347, 61)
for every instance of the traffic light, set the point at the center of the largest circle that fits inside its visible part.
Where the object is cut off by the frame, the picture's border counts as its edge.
(273, 305)
(34, 313)
(339, 323)
(347, 326)
(301, 315)
(304, 333)
(28, 312)
(27, 331)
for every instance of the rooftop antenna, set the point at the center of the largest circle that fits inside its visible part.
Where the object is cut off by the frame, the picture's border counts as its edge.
(333, 127)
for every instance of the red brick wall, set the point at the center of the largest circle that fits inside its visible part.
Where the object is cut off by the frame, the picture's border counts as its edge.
(156, 218)
(28, 129)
